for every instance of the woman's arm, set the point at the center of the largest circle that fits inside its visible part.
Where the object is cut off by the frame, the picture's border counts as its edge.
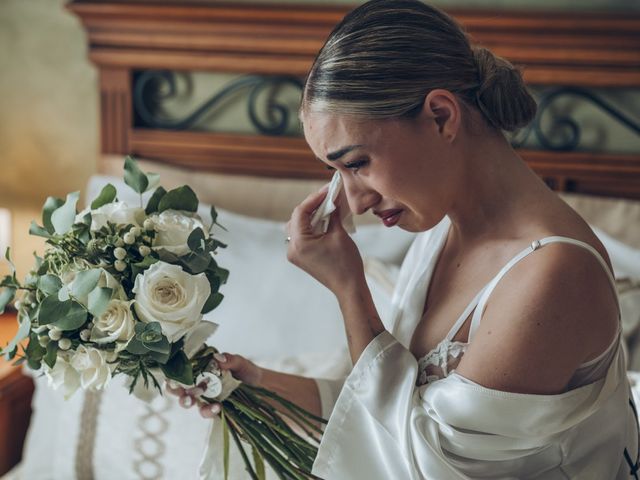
(300, 390)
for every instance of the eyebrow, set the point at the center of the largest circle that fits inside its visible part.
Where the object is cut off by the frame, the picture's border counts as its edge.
(340, 153)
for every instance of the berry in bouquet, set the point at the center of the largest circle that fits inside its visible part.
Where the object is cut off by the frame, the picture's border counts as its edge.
(122, 289)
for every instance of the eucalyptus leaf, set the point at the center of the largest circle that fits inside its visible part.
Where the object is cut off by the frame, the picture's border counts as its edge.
(49, 284)
(196, 262)
(34, 352)
(51, 355)
(21, 334)
(154, 180)
(63, 294)
(181, 198)
(85, 281)
(162, 346)
(63, 217)
(52, 309)
(6, 295)
(37, 231)
(154, 201)
(179, 368)
(50, 205)
(136, 347)
(134, 177)
(161, 358)
(107, 195)
(196, 240)
(99, 299)
(76, 317)
(212, 302)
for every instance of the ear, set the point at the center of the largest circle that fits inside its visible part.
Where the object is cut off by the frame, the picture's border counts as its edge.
(443, 107)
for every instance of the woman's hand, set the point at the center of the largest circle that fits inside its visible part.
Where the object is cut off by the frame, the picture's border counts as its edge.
(331, 258)
(242, 369)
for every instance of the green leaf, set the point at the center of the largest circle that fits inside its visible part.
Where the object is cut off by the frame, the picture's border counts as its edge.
(21, 334)
(76, 317)
(34, 352)
(6, 296)
(49, 284)
(212, 302)
(63, 217)
(133, 176)
(196, 240)
(162, 346)
(154, 180)
(99, 299)
(258, 461)
(52, 309)
(140, 267)
(196, 262)
(50, 205)
(214, 219)
(37, 231)
(136, 347)
(179, 368)
(161, 358)
(181, 198)
(154, 201)
(85, 282)
(225, 445)
(52, 354)
(107, 195)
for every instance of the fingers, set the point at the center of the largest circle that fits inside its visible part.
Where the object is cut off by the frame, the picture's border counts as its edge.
(313, 200)
(301, 217)
(209, 410)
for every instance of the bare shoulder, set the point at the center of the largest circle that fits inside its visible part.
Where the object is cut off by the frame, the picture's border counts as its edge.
(554, 310)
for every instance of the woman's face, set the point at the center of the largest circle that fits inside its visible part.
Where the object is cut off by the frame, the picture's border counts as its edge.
(399, 168)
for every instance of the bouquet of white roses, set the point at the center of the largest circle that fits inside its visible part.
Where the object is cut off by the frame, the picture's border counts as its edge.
(122, 290)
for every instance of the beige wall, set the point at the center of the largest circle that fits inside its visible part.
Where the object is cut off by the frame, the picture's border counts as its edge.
(48, 118)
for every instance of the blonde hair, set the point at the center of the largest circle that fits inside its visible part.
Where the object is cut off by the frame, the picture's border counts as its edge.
(385, 56)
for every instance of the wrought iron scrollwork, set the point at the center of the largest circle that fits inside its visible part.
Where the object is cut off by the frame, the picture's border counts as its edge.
(148, 94)
(566, 122)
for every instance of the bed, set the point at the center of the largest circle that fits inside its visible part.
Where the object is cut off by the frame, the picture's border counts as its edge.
(149, 54)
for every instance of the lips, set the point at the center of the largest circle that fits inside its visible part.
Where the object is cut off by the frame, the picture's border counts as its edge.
(390, 217)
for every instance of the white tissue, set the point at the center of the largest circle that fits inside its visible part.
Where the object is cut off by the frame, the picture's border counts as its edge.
(320, 218)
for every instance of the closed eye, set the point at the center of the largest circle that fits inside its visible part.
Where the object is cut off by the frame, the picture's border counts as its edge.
(357, 164)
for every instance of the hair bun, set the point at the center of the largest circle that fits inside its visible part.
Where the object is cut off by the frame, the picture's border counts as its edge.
(502, 95)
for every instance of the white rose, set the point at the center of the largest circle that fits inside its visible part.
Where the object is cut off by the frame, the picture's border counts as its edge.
(167, 294)
(62, 375)
(116, 324)
(119, 213)
(173, 228)
(93, 367)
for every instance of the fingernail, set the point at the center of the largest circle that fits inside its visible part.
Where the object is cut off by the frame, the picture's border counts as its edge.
(221, 357)
(209, 410)
(186, 401)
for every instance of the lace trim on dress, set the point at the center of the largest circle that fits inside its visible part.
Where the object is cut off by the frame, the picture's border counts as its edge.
(440, 361)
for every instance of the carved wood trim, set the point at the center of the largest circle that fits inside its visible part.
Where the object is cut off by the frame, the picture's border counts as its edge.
(554, 48)
(115, 109)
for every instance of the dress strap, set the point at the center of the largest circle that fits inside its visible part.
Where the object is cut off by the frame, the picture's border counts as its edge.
(467, 311)
(535, 245)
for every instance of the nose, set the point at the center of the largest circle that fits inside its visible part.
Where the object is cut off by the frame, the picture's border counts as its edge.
(359, 197)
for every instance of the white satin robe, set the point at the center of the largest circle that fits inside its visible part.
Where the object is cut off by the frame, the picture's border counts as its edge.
(383, 427)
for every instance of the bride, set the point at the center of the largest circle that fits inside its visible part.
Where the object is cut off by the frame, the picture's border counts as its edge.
(503, 356)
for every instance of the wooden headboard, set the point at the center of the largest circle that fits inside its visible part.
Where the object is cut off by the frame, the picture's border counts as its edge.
(556, 49)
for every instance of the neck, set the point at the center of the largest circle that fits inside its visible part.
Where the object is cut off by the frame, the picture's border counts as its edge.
(502, 195)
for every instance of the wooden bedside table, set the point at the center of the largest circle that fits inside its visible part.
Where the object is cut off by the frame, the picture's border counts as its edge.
(16, 391)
